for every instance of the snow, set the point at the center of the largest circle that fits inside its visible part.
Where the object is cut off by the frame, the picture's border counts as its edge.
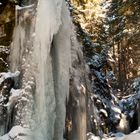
(15, 93)
(5, 75)
(16, 132)
(131, 137)
(25, 7)
(117, 136)
(5, 137)
(116, 109)
(104, 112)
(92, 137)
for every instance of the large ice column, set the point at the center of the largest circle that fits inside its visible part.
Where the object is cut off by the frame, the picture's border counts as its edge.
(61, 54)
(52, 56)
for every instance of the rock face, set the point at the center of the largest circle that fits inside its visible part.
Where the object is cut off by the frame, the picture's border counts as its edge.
(47, 54)
(77, 104)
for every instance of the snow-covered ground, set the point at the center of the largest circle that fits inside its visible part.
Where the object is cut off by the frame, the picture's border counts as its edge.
(135, 136)
(17, 132)
(117, 136)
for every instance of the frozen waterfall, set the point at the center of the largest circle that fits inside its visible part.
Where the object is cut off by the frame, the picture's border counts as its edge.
(41, 51)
